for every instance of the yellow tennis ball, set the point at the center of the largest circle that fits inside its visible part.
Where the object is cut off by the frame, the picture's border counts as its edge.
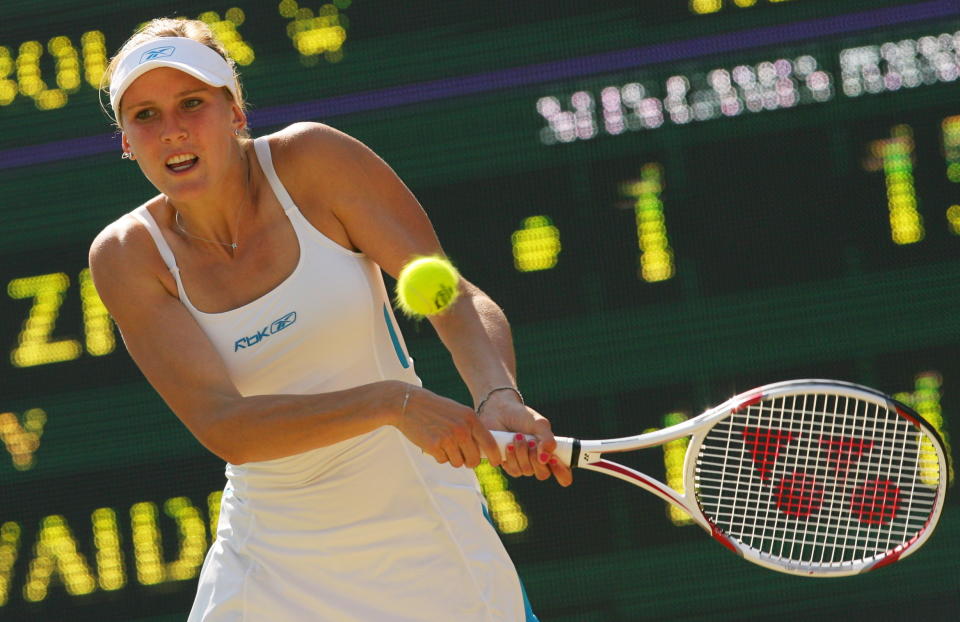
(427, 286)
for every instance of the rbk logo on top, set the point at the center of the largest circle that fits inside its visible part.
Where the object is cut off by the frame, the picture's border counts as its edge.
(156, 53)
(275, 327)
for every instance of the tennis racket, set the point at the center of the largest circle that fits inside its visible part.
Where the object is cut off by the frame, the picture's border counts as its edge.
(807, 477)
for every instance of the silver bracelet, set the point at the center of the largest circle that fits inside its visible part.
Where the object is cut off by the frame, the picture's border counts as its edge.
(492, 391)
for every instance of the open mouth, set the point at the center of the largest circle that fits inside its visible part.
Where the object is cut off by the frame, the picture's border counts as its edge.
(182, 162)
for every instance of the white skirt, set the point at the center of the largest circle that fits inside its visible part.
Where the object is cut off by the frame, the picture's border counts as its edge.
(367, 530)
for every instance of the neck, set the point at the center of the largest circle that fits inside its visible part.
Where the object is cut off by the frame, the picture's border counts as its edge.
(217, 222)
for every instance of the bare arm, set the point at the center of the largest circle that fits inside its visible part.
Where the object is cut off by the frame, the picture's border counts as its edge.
(383, 219)
(182, 365)
(477, 334)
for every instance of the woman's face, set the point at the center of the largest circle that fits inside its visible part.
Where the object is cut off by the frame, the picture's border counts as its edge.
(181, 131)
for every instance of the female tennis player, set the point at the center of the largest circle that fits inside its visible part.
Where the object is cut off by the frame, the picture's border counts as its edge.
(249, 292)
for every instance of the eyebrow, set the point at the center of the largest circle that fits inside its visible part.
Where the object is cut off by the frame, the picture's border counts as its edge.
(147, 102)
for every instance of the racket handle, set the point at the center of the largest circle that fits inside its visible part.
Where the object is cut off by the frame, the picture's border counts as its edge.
(564, 449)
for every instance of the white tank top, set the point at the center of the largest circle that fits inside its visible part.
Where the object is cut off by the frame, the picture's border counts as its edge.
(369, 528)
(328, 326)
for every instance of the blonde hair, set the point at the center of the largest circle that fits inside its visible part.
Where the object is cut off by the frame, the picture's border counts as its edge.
(175, 27)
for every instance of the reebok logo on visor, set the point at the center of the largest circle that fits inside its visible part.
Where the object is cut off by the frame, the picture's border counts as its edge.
(156, 53)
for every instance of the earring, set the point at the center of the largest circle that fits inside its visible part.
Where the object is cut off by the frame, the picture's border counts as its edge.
(236, 132)
(126, 155)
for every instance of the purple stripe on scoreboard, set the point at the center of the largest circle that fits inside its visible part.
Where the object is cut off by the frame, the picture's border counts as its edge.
(524, 76)
(607, 62)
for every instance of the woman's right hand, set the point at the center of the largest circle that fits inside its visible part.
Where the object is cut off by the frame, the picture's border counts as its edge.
(443, 428)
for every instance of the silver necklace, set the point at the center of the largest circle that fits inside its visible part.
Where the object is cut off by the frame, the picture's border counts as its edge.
(176, 219)
(232, 245)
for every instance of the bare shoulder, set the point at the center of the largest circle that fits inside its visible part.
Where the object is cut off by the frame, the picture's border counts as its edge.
(121, 241)
(121, 255)
(308, 135)
(301, 149)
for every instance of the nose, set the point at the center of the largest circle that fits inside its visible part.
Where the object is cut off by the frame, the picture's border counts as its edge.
(173, 129)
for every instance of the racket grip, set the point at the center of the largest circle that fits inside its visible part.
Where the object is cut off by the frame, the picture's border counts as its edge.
(564, 449)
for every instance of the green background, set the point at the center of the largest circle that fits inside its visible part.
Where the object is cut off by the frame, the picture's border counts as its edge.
(784, 269)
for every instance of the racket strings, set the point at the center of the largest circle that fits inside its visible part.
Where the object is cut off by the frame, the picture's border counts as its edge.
(817, 479)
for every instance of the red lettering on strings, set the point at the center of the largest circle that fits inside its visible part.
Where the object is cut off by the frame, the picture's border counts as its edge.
(764, 446)
(876, 501)
(799, 495)
(844, 452)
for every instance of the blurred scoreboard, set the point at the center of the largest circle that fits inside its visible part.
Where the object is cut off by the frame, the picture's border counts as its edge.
(673, 201)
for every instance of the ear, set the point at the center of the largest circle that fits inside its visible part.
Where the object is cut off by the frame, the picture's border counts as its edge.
(239, 120)
(125, 145)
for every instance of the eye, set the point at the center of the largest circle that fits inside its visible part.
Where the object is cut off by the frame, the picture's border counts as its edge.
(144, 114)
(193, 102)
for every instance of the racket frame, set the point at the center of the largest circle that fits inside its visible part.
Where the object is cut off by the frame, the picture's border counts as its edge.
(589, 455)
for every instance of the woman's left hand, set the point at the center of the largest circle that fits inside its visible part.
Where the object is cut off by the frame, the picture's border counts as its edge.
(504, 411)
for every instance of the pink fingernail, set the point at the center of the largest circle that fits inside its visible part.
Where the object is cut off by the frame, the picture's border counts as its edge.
(553, 460)
(509, 447)
(544, 457)
(531, 444)
(518, 437)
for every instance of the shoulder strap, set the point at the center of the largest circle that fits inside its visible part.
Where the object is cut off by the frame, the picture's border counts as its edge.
(146, 219)
(264, 157)
(303, 227)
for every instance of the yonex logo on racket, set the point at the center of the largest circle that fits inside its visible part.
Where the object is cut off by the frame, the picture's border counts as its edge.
(275, 327)
(808, 477)
(801, 494)
(155, 53)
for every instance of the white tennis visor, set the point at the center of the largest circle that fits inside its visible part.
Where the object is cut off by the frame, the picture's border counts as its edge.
(187, 55)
